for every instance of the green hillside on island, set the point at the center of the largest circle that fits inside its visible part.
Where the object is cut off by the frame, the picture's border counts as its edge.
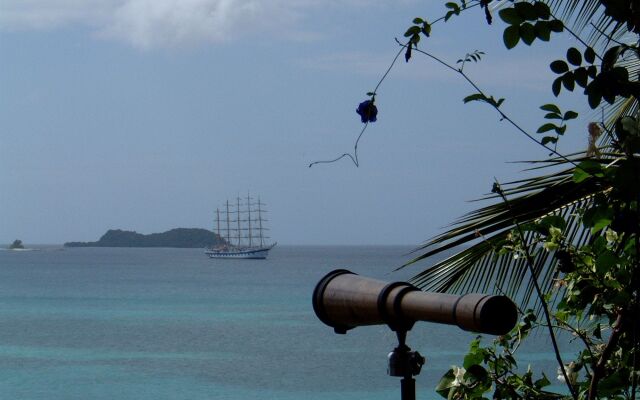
(179, 237)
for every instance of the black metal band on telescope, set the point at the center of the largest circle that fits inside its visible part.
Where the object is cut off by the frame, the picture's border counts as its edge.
(318, 304)
(395, 321)
(455, 307)
(382, 300)
(397, 302)
(476, 313)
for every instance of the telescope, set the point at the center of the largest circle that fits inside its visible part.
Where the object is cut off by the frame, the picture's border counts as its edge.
(344, 300)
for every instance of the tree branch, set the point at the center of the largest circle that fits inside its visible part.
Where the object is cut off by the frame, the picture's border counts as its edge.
(503, 116)
(599, 368)
(354, 156)
(543, 302)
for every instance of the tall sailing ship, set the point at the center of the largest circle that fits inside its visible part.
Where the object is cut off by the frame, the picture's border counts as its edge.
(242, 227)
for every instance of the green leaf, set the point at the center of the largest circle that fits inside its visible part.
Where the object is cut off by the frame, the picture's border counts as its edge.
(610, 57)
(587, 169)
(426, 29)
(621, 73)
(511, 36)
(561, 315)
(412, 31)
(526, 10)
(542, 10)
(452, 6)
(419, 20)
(568, 81)
(609, 97)
(551, 108)
(548, 139)
(556, 25)
(590, 215)
(542, 382)
(629, 125)
(594, 100)
(553, 221)
(556, 86)
(560, 130)
(478, 378)
(569, 115)
(510, 16)
(552, 116)
(607, 259)
(589, 55)
(445, 384)
(574, 57)
(527, 33)
(559, 66)
(448, 15)
(546, 128)
(474, 97)
(600, 224)
(543, 32)
(581, 76)
(472, 359)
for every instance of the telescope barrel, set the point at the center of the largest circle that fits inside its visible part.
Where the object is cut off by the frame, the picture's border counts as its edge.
(344, 300)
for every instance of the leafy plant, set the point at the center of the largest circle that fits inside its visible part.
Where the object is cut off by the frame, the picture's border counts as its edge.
(566, 244)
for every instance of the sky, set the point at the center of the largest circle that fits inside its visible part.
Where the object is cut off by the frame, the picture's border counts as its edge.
(147, 115)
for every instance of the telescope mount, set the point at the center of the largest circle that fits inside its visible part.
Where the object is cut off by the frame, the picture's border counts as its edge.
(406, 364)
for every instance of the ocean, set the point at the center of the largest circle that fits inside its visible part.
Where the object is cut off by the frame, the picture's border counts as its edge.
(120, 323)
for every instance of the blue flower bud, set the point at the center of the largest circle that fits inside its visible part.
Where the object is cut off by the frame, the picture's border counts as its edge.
(368, 111)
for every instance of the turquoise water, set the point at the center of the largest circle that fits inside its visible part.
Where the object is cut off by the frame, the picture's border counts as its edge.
(113, 323)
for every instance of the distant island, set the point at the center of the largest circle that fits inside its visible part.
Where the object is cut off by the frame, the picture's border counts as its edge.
(179, 237)
(16, 245)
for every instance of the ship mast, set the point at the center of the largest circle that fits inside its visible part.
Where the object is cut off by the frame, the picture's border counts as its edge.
(260, 221)
(217, 223)
(228, 227)
(238, 220)
(249, 218)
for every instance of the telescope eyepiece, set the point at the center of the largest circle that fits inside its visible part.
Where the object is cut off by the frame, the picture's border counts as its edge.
(498, 315)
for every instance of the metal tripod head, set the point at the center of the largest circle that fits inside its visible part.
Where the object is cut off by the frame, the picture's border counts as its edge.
(406, 364)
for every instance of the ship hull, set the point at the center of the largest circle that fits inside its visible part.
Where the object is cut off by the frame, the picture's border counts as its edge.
(253, 253)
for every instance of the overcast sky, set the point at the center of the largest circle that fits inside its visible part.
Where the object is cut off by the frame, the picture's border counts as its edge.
(146, 115)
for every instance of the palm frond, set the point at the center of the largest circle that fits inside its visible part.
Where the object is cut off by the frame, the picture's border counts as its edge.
(538, 196)
(578, 12)
(582, 14)
(481, 267)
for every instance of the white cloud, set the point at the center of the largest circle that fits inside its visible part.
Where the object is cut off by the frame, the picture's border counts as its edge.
(148, 23)
(159, 23)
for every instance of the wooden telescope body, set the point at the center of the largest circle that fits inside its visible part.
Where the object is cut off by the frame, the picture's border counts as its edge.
(344, 300)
